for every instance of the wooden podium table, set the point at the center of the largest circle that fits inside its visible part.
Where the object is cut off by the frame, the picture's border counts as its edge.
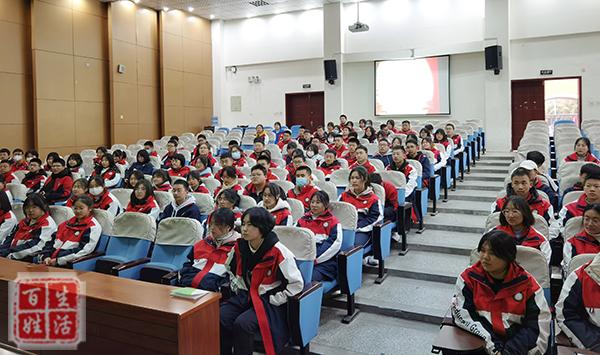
(129, 316)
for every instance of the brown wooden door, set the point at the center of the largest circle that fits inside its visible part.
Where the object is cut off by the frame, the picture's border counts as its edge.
(305, 109)
(527, 100)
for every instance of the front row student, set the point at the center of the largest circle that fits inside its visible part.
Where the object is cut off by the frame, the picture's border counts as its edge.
(264, 276)
(205, 267)
(497, 300)
(102, 198)
(74, 238)
(577, 306)
(32, 233)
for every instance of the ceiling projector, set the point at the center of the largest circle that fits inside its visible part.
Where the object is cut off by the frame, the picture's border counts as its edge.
(358, 27)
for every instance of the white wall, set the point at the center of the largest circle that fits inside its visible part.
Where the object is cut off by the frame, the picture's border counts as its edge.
(265, 102)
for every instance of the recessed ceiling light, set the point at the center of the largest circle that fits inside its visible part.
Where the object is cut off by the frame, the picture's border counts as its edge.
(190, 9)
(165, 8)
(212, 17)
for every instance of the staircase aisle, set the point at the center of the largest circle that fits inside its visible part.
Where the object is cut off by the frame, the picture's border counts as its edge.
(402, 315)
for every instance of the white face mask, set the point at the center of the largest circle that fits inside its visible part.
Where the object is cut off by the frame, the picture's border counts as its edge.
(96, 190)
(236, 155)
(17, 157)
(310, 154)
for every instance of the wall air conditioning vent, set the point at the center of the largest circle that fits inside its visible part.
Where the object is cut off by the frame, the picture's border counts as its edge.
(258, 3)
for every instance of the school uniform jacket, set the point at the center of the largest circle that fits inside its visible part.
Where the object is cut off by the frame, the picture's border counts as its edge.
(237, 214)
(282, 143)
(409, 172)
(578, 307)
(341, 151)
(106, 201)
(73, 239)
(281, 212)
(239, 174)
(235, 187)
(304, 195)
(111, 177)
(328, 234)
(328, 169)
(145, 168)
(181, 172)
(511, 316)
(582, 243)
(538, 205)
(570, 210)
(150, 207)
(458, 144)
(427, 167)
(439, 163)
(201, 189)
(589, 157)
(206, 173)
(8, 221)
(205, 268)
(57, 187)
(250, 190)
(165, 187)
(368, 206)
(271, 176)
(367, 165)
(391, 194)
(270, 276)
(9, 177)
(166, 160)
(447, 147)
(26, 239)
(529, 238)
(20, 165)
(188, 208)
(386, 159)
(33, 181)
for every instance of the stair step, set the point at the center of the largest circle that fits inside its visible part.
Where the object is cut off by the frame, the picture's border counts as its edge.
(487, 169)
(454, 222)
(470, 195)
(364, 335)
(491, 163)
(491, 186)
(477, 176)
(416, 264)
(443, 242)
(405, 298)
(463, 207)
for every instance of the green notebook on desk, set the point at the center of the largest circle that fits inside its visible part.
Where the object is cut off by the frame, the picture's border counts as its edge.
(189, 293)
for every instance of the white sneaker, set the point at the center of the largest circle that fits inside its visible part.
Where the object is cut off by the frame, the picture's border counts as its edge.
(397, 237)
(370, 261)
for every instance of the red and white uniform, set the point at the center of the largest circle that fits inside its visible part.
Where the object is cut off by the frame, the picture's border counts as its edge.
(111, 177)
(538, 205)
(341, 151)
(328, 234)
(304, 195)
(582, 243)
(150, 207)
(181, 172)
(8, 221)
(74, 239)
(458, 144)
(166, 187)
(281, 212)
(529, 238)
(409, 172)
(367, 165)
(328, 169)
(368, 206)
(589, 157)
(570, 210)
(28, 239)
(106, 201)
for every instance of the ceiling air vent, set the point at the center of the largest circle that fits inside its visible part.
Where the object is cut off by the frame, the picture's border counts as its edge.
(258, 3)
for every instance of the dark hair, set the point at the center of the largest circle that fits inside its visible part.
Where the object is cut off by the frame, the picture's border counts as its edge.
(262, 156)
(535, 156)
(59, 160)
(259, 167)
(276, 191)
(287, 131)
(229, 171)
(138, 175)
(85, 199)
(259, 140)
(83, 181)
(592, 206)
(17, 150)
(592, 177)
(261, 219)
(406, 121)
(520, 204)
(144, 154)
(182, 182)
(354, 140)
(519, 172)
(413, 141)
(179, 157)
(32, 152)
(362, 120)
(392, 123)
(4, 202)
(111, 160)
(261, 126)
(442, 132)
(411, 136)
(362, 172)
(36, 200)
(119, 154)
(232, 143)
(369, 129)
(35, 160)
(322, 197)
(363, 148)
(5, 161)
(149, 143)
(375, 178)
(313, 148)
(149, 192)
(298, 153)
(277, 123)
(502, 245)
(97, 179)
(428, 132)
(291, 145)
(230, 195)
(162, 174)
(590, 169)
(428, 140)
(103, 149)
(584, 140)
(77, 158)
(451, 125)
(174, 142)
(429, 127)
(331, 151)
(194, 174)
(223, 217)
(226, 155)
(304, 168)
(337, 135)
(203, 160)
(174, 138)
(52, 155)
(342, 115)
(399, 147)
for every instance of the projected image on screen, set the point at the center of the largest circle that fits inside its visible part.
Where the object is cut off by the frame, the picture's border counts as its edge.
(412, 87)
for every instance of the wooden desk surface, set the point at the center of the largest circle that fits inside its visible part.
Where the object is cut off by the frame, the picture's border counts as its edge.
(132, 316)
(455, 338)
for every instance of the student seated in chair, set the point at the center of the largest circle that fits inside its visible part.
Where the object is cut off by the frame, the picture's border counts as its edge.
(328, 232)
(171, 151)
(537, 183)
(585, 171)
(298, 160)
(8, 220)
(178, 167)
(239, 159)
(7, 172)
(591, 195)
(362, 159)
(194, 179)
(18, 160)
(265, 275)
(582, 152)
(203, 150)
(457, 140)
(588, 240)
(521, 185)
(229, 180)
(413, 152)
(497, 300)
(80, 188)
(102, 198)
(577, 306)
(205, 268)
(427, 144)
(330, 163)
(406, 128)
(265, 161)
(258, 182)
(57, 188)
(230, 200)
(74, 238)
(108, 171)
(391, 205)
(149, 147)
(183, 205)
(203, 167)
(142, 200)
(274, 201)
(286, 138)
(542, 180)
(384, 154)
(142, 164)
(161, 181)
(304, 188)
(227, 160)
(517, 220)
(35, 178)
(31, 234)
(400, 164)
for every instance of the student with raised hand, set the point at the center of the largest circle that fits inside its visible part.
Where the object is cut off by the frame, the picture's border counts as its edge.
(588, 240)
(31, 234)
(257, 184)
(205, 268)
(183, 205)
(497, 286)
(8, 220)
(328, 232)
(521, 185)
(304, 188)
(171, 151)
(57, 188)
(330, 163)
(103, 199)
(36, 177)
(582, 152)
(264, 276)
(74, 238)
(108, 171)
(229, 180)
(80, 188)
(275, 201)
(591, 195)
(161, 181)
(178, 167)
(142, 163)
(577, 306)
(517, 220)
(143, 201)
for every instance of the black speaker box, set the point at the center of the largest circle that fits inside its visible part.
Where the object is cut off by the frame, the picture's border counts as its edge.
(330, 69)
(493, 58)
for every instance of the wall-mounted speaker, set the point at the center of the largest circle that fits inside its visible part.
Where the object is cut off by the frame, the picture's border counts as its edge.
(493, 58)
(330, 70)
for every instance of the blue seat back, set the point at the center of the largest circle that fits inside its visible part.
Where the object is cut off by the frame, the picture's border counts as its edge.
(128, 248)
(302, 243)
(174, 255)
(133, 234)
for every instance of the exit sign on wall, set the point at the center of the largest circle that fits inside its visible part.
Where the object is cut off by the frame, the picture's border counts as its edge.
(546, 72)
